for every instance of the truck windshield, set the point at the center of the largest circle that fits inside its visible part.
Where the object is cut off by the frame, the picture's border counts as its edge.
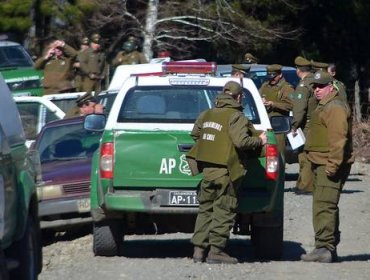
(175, 104)
(14, 56)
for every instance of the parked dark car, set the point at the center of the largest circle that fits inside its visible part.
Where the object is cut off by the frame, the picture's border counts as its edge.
(65, 149)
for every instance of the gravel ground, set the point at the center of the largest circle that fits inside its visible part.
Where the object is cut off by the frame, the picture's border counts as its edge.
(70, 256)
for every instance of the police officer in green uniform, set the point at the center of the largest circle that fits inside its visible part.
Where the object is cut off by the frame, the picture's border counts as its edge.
(304, 102)
(78, 74)
(129, 55)
(339, 86)
(222, 135)
(329, 149)
(250, 59)
(275, 94)
(85, 104)
(57, 63)
(239, 70)
(93, 66)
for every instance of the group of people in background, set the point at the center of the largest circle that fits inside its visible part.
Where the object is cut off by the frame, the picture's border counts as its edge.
(67, 69)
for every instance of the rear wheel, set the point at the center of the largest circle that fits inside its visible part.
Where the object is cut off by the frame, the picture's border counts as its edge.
(107, 238)
(268, 242)
(27, 252)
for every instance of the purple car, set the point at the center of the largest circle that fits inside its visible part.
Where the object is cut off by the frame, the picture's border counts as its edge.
(65, 149)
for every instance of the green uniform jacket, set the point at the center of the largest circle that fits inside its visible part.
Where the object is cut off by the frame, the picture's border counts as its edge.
(329, 137)
(134, 57)
(304, 102)
(92, 62)
(236, 132)
(279, 95)
(58, 72)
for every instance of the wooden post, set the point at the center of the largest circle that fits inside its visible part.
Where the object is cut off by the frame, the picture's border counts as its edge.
(357, 105)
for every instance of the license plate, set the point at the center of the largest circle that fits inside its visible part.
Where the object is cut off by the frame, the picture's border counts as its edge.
(83, 205)
(183, 198)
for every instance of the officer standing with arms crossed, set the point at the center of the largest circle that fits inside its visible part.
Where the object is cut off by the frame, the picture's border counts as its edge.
(275, 94)
(329, 149)
(222, 134)
(304, 102)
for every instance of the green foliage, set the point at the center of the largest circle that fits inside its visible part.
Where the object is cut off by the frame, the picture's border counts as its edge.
(15, 15)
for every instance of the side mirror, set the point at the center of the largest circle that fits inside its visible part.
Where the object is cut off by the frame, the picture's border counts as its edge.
(280, 124)
(95, 122)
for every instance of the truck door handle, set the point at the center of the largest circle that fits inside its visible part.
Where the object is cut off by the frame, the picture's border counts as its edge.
(184, 147)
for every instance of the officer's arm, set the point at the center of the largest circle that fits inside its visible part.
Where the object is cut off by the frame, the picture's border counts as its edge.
(241, 131)
(69, 51)
(40, 63)
(300, 103)
(335, 119)
(285, 104)
(195, 133)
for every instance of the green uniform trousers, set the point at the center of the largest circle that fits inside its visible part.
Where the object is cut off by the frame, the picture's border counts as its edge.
(305, 178)
(325, 211)
(216, 214)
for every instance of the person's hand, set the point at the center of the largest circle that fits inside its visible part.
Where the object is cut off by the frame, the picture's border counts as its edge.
(268, 103)
(59, 43)
(98, 108)
(93, 76)
(294, 132)
(50, 53)
(263, 137)
(76, 65)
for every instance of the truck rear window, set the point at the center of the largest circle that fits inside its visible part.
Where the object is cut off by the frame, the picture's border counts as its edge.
(175, 104)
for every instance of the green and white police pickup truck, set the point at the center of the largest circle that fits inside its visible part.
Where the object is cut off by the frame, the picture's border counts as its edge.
(20, 244)
(140, 180)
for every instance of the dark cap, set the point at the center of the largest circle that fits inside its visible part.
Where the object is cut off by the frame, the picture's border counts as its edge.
(250, 58)
(241, 68)
(232, 88)
(319, 65)
(85, 41)
(321, 78)
(96, 38)
(300, 61)
(87, 97)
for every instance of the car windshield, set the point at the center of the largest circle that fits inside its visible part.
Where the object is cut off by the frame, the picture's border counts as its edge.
(259, 77)
(14, 56)
(67, 142)
(175, 104)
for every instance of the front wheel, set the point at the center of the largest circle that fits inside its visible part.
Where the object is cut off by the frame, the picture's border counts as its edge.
(107, 238)
(26, 251)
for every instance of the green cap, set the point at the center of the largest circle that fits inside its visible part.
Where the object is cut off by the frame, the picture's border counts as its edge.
(87, 97)
(232, 88)
(321, 78)
(274, 69)
(300, 61)
(96, 38)
(241, 68)
(319, 65)
(250, 58)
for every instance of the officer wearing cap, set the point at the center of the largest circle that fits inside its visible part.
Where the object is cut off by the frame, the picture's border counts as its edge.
(339, 86)
(84, 45)
(304, 102)
(57, 63)
(85, 104)
(250, 59)
(240, 70)
(329, 149)
(129, 54)
(275, 94)
(316, 66)
(222, 134)
(93, 66)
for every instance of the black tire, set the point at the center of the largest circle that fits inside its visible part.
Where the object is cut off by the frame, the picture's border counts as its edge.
(267, 242)
(27, 252)
(107, 238)
(3, 269)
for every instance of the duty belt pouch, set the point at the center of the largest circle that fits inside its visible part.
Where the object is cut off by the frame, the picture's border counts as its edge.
(193, 165)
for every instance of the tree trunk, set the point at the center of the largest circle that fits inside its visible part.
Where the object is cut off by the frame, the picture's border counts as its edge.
(357, 108)
(151, 19)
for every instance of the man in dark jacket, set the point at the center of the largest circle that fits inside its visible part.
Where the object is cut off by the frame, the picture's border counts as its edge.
(222, 134)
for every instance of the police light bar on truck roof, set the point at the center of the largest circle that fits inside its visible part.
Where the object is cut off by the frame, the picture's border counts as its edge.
(187, 67)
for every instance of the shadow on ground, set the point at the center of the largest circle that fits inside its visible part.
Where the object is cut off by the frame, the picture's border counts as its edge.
(50, 236)
(182, 248)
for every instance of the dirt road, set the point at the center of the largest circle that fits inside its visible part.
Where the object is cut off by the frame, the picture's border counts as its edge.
(70, 256)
